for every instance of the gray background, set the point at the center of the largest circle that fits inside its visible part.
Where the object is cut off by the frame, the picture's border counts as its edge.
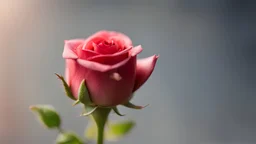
(201, 92)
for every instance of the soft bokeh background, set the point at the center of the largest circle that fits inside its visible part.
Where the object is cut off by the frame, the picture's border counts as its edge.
(201, 92)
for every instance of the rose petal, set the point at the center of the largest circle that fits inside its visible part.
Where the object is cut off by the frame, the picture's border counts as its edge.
(87, 54)
(121, 37)
(143, 70)
(103, 48)
(111, 59)
(136, 50)
(70, 48)
(88, 44)
(101, 67)
(112, 55)
(121, 43)
(106, 91)
(108, 35)
(108, 60)
(74, 74)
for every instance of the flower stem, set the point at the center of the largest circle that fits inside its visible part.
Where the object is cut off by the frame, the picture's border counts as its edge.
(100, 138)
(100, 116)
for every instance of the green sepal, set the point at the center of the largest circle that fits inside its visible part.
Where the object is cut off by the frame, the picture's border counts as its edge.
(47, 115)
(88, 110)
(76, 103)
(130, 105)
(67, 88)
(83, 95)
(68, 138)
(115, 109)
(113, 131)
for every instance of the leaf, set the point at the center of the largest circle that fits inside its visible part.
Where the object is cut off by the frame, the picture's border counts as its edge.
(113, 131)
(47, 115)
(119, 130)
(84, 96)
(130, 105)
(68, 138)
(67, 88)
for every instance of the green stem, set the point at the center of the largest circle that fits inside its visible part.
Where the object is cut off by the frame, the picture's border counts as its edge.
(100, 116)
(100, 138)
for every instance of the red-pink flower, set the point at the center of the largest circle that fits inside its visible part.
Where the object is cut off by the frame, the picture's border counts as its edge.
(107, 61)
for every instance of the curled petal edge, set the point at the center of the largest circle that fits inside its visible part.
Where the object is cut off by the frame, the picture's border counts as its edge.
(144, 69)
(69, 48)
(103, 67)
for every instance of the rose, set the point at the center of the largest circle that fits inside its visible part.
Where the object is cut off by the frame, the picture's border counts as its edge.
(107, 61)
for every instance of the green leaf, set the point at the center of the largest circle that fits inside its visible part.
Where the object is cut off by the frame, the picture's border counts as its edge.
(68, 138)
(119, 130)
(130, 105)
(113, 131)
(47, 115)
(84, 96)
(67, 88)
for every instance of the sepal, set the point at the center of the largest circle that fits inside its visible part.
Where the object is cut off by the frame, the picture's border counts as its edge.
(67, 88)
(115, 109)
(83, 95)
(132, 106)
(76, 103)
(88, 110)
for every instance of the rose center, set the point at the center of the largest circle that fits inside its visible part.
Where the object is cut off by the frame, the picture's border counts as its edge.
(106, 47)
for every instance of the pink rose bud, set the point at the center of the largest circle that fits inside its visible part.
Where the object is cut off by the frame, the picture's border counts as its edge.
(107, 61)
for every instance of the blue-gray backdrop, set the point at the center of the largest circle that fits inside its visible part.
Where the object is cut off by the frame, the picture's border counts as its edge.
(201, 92)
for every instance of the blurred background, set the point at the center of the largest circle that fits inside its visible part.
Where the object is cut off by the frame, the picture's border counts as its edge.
(203, 90)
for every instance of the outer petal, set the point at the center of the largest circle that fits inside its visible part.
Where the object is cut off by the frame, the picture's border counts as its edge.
(143, 70)
(106, 91)
(70, 48)
(136, 50)
(74, 75)
(103, 89)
